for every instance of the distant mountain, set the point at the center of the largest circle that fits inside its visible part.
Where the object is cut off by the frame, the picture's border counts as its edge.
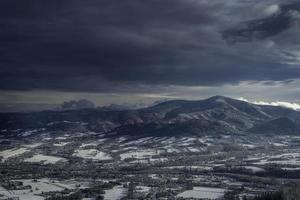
(215, 115)
(27, 107)
(120, 107)
(76, 105)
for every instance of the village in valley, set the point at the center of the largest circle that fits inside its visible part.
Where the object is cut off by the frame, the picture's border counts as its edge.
(88, 165)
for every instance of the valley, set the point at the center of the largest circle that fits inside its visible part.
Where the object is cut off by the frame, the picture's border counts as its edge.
(74, 160)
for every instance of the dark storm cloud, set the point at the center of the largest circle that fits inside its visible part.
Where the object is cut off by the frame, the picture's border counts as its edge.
(102, 45)
(286, 17)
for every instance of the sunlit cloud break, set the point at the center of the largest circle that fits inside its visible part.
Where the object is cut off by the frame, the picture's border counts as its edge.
(293, 106)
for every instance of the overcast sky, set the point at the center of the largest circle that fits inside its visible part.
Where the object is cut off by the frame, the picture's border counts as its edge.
(132, 51)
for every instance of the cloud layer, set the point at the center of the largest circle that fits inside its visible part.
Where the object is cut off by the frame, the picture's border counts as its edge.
(130, 46)
(293, 106)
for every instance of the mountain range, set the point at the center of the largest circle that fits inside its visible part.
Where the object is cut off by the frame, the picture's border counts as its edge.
(215, 115)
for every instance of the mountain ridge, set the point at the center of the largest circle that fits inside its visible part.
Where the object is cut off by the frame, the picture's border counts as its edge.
(215, 115)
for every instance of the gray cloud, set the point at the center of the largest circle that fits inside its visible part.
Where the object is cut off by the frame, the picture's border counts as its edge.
(125, 46)
(279, 19)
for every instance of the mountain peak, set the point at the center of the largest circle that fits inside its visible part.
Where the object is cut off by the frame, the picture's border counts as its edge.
(219, 98)
(213, 115)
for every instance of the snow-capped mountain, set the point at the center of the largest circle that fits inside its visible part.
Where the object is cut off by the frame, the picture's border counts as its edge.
(215, 115)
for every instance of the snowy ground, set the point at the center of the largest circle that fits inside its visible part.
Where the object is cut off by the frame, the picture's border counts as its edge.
(60, 144)
(34, 145)
(116, 193)
(12, 152)
(38, 187)
(93, 154)
(249, 155)
(203, 193)
(254, 169)
(45, 159)
(140, 154)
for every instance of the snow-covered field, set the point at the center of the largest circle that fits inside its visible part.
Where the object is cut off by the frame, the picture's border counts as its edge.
(37, 188)
(140, 154)
(60, 144)
(254, 169)
(227, 161)
(13, 152)
(116, 193)
(61, 138)
(93, 154)
(34, 145)
(205, 168)
(203, 193)
(145, 189)
(83, 145)
(280, 159)
(30, 132)
(45, 159)
(21, 196)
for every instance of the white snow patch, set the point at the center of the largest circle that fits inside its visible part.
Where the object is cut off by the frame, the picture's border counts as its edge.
(250, 146)
(87, 145)
(279, 144)
(143, 189)
(121, 139)
(290, 168)
(139, 154)
(102, 140)
(205, 168)
(158, 159)
(61, 144)
(139, 141)
(13, 152)
(115, 193)
(38, 187)
(153, 176)
(254, 169)
(30, 132)
(193, 149)
(61, 138)
(93, 154)
(45, 159)
(171, 149)
(203, 193)
(33, 145)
